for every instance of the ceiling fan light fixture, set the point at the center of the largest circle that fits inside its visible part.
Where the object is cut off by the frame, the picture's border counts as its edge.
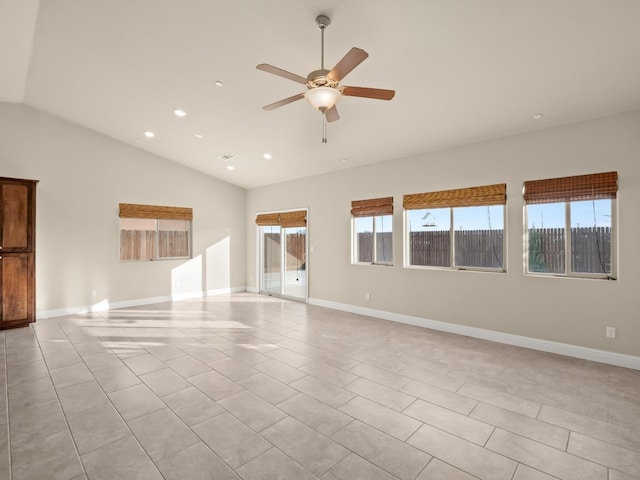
(322, 98)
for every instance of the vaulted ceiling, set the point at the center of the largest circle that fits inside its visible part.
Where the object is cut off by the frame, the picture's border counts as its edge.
(464, 71)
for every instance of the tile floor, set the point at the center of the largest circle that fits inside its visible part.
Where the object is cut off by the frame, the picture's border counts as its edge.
(252, 387)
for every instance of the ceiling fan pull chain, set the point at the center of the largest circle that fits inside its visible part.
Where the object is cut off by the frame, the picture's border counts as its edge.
(324, 128)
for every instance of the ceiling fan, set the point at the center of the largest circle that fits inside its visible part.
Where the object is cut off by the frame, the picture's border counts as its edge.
(323, 90)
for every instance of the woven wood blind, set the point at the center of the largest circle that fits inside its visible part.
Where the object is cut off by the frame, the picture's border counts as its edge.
(460, 197)
(579, 187)
(132, 210)
(283, 219)
(372, 207)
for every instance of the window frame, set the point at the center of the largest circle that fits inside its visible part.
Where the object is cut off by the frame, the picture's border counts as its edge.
(568, 271)
(480, 196)
(355, 251)
(157, 214)
(452, 245)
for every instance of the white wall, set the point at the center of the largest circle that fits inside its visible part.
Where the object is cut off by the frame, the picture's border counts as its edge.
(568, 310)
(83, 176)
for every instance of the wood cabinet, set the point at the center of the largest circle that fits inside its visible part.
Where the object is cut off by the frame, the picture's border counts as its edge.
(17, 252)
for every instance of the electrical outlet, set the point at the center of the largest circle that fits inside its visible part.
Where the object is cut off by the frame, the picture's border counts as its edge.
(611, 332)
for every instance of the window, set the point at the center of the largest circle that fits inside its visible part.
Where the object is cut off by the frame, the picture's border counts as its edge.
(372, 231)
(570, 225)
(149, 232)
(461, 228)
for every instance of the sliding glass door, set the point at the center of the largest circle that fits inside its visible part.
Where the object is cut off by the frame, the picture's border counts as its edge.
(283, 252)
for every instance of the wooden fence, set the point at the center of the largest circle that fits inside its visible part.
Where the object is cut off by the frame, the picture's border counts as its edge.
(141, 244)
(296, 249)
(591, 248)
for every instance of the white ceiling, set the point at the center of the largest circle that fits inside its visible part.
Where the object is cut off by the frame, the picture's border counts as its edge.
(463, 70)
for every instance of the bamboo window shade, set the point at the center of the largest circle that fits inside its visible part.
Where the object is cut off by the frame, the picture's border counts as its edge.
(283, 219)
(579, 187)
(460, 197)
(372, 207)
(132, 210)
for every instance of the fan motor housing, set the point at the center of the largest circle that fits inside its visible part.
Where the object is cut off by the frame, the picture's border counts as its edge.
(319, 78)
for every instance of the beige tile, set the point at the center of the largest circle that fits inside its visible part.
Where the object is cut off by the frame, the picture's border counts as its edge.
(462, 454)
(31, 393)
(444, 398)
(384, 419)
(314, 451)
(59, 358)
(354, 467)
(30, 423)
(383, 377)
(165, 351)
(52, 457)
(609, 432)
(618, 458)
(288, 357)
(116, 378)
(197, 462)
(92, 347)
(386, 396)
(615, 475)
(205, 353)
(527, 473)
(328, 373)
(231, 440)
(251, 410)
(500, 399)
(320, 390)
(215, 385)
(72, 375)
(280, 371)
(187, 366)
(432, 378)
(82, 397)
(101, 361)
(96, 428)
(567, 401)
(26, 372)
(538, 430)
(162, 434)
(119, 460)
(384, 451)
(438, 470)
(192, 406)
(233, 369)
(133, 402)
(451, 422)
(273, 465)
(165, 381)
(267, 388)
(326, 420)
(141, 364)
(546, 459)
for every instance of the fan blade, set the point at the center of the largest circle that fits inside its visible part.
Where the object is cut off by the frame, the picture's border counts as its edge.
(332, 114)
(286, 101)
(376, 93)
(281, 73)
(351, 60)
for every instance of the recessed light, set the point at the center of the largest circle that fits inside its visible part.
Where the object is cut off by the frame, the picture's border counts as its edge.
(218, 83)
(267, 156)
(538, 116)
(149, 134)
(230, 167)
(198, 135)
(179, 112)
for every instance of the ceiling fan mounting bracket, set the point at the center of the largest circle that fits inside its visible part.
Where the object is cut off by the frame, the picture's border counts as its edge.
(323, 21)
(319, 78)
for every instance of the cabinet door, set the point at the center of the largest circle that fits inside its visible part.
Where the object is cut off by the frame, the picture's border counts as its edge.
(16, 289)
(15, 213)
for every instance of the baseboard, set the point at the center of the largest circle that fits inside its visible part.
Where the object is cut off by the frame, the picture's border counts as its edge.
(576, 351)
(106, 305)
